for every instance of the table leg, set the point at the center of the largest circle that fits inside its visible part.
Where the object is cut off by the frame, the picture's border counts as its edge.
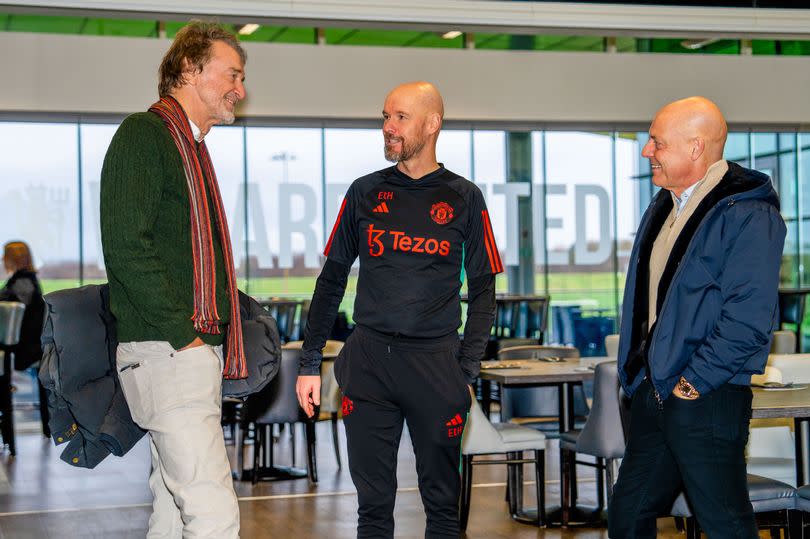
(569, 396)
(802, 433)
(565, 399)
(486, 396)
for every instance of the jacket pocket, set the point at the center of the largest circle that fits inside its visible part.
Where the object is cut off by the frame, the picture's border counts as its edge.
(340, 363)
(337, 368)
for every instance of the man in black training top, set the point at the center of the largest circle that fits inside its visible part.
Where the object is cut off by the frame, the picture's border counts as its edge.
(418, 229)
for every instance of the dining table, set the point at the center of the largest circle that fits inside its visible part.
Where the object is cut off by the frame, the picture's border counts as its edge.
(563, 373)
(791, 401)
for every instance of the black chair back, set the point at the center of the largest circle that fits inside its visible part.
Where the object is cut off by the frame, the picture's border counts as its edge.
(503, 319)
(521, 317)
(277, 402)
(529, 318)
(287, 314)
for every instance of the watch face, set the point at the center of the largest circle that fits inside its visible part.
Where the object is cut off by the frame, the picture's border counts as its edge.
(687, 389)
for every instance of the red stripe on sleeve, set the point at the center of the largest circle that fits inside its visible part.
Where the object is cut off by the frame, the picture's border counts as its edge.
(334, 229)
(489, 240)
(489, 251)
(499, 263)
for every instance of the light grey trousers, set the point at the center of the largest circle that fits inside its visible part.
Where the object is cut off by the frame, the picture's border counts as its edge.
(177, 397)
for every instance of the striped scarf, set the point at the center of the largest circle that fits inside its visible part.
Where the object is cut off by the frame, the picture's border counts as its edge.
(200, 173)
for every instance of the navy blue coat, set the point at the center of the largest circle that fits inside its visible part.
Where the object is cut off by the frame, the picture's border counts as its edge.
(718, 296)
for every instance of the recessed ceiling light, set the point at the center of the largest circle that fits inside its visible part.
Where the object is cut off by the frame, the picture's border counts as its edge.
(248, 29)
(697, 44)
(452, 34)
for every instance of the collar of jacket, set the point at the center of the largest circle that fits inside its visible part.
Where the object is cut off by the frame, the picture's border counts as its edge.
(737, 184)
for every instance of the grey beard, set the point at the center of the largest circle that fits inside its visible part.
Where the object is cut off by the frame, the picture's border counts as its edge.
(406, 153)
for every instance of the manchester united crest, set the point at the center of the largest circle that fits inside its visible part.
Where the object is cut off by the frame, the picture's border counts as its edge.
(347, 406)
(441, 213)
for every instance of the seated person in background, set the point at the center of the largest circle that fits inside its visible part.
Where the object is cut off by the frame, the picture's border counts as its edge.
(23, 286)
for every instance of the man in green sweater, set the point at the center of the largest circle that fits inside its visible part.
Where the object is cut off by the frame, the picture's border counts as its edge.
(172, 282)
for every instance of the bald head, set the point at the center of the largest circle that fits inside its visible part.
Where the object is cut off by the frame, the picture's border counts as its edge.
(686, 137)
(697, 117)
(412, 115)
(420, 94)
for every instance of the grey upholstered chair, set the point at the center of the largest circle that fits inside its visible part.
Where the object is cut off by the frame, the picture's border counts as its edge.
(11, 316)
(800, 517)
(602, 437)
(484, 438)
(784, 342)
(612, 345)
(769, 497)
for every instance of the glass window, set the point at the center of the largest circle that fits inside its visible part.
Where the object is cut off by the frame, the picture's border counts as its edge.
(348, 154)
(632, 198)
(453, 149)
(351, 154)
(738, 149)
(539, 211)
(285, 210)
(95, 139)
(580, 237)
(579, 227)
(489, 173)
(803, 172)
(786, 179)
(39, 188)
(227, 149)
(282, 188)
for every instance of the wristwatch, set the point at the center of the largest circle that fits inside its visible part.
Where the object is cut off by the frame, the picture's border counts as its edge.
(687, 389)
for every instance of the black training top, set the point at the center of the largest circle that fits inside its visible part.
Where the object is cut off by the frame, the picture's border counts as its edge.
(413, 237)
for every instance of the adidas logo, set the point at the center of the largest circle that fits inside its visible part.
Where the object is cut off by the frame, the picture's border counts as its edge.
(382, 208)
(455, 427)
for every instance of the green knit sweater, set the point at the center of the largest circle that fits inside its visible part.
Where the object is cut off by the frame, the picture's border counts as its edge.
(146, 237)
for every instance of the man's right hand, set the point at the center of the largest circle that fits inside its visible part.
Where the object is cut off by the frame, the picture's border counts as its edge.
(308, 389)
(193, 344)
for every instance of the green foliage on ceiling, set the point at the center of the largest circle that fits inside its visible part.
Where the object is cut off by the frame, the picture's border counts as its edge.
(395, 38)
(78, 25)
(390, 38)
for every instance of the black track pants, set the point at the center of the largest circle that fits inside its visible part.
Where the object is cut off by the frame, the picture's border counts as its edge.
(695, 444)
(386, 380)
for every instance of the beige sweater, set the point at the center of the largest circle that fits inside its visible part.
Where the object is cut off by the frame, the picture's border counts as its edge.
(672, 228)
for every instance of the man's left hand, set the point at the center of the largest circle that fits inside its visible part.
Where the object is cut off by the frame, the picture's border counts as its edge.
(308, 391)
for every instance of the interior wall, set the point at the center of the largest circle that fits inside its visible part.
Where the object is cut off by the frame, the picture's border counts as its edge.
(91, 74)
